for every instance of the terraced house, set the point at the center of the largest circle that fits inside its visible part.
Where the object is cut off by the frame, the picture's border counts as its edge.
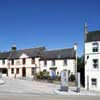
(27, 62)
(92, 60)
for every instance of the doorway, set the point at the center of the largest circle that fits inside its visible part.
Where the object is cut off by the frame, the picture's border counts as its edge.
(23, 72)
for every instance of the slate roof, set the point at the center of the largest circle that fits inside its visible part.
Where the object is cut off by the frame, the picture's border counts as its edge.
(40, 52)
(59, 54)
(93, 36)
(31, 52)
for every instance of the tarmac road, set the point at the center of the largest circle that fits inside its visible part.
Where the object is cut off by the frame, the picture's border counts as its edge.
(23, 97)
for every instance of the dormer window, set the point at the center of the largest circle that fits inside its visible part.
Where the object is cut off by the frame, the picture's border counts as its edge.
(24, 61)
(95, 47)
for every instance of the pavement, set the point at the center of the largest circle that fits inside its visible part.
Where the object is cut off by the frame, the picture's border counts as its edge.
(26, 87)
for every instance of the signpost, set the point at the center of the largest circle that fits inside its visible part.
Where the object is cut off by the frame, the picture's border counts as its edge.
(64, 81)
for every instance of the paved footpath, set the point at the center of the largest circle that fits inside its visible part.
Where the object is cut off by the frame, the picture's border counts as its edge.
(25, 87)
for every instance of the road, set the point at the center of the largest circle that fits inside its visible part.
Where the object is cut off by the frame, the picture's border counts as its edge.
(22, 97)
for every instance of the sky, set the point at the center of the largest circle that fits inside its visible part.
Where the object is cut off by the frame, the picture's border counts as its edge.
(54, 24)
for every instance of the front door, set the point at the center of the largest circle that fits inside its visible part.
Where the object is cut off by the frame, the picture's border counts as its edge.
(23, 72)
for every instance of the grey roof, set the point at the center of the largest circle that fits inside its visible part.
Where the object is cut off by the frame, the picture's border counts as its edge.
(93, 36)
(40, 52)
(31, 52)
(59, 54)
(4, 55)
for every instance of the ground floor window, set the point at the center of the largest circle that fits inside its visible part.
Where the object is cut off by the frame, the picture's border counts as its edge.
(12, 70)
(94, 82)
(17, 71)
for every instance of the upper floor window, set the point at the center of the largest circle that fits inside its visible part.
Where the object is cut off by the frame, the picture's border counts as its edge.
(45, 62)
(33, 71)
(3, 61)
(17, 71)
(95, 63)
(53, 62)
(65, 61)
(12, 62)
(24, 61)
(33, 60)
(94, 82)
(95, 47)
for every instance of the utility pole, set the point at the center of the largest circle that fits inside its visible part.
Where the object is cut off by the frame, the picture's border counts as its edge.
(85, 60)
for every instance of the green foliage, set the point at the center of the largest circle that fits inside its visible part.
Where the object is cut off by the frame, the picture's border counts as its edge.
(43, 75)
(80, 63)
(72, 77)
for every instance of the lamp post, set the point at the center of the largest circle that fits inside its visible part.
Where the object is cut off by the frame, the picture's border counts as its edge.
(77, 74)
(75, 48)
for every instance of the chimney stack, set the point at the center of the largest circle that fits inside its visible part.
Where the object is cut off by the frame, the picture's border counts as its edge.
(13, 48)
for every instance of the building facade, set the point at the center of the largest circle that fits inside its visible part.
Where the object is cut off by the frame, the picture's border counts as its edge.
(59, 60)
(27, 62)
(92, 60)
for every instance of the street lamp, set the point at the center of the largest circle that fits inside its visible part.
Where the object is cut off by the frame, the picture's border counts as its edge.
(75, 48)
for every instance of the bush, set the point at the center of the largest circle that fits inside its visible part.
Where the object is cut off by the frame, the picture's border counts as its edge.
(72, 77)
(43, 75)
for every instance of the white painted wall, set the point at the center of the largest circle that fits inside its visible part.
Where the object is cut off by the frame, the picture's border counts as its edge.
(60, 65)
(90, 71)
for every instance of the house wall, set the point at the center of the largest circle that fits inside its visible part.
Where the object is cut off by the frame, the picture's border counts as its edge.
(19, 64)
(59, 64)
(90, 71)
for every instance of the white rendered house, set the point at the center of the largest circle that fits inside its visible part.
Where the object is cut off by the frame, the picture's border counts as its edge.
(59, 60)
(20, 63)
(27, 62)
(92, 60)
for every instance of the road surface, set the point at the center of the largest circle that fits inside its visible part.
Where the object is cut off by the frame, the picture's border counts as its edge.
(23, 97)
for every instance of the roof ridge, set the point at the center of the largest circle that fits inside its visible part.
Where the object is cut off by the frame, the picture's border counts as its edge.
(58, 49)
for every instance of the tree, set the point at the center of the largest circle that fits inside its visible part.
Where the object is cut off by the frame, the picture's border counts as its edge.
(81, 69)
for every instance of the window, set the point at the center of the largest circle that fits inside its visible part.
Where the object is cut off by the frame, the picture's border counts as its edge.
(3, 61)
(94, 81)
(45, 62)
(33, 60)
(24, 61)
(12, 70)
(95, 47)
(12, 61)
(95, 63)
(65, 61)
(33, 71)
(17, 71)
(53, 62)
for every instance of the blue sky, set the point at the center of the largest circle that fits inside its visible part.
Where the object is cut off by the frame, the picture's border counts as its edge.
(51, 23)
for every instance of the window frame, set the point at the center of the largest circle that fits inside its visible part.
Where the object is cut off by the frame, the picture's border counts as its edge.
(12, 70)
(24, 61)
(95, 47)
(94, 83)
(53, 63)
(3, 62)
(65, 62)
(95, 63)
(17, 70)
